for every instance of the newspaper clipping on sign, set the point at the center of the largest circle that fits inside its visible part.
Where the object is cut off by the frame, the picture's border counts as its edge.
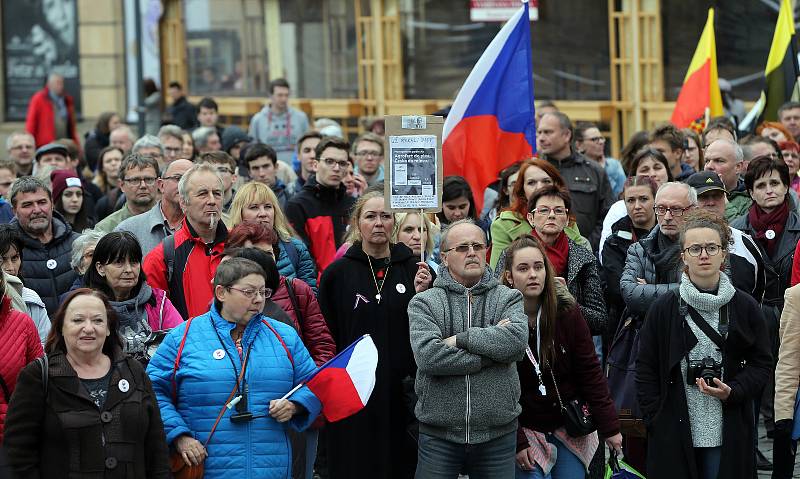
(413, 161)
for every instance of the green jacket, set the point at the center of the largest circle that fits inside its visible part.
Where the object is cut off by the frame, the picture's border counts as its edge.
(110, 222)
(738, 204)
(509, 226)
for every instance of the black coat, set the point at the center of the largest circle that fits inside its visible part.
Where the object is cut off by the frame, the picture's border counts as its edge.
(50, 282)
(183, 114)
(65, 435)
(375, 442)
(664, 341)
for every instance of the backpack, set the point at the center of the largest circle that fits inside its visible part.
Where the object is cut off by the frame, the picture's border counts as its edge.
(169, 255)
(621, 373)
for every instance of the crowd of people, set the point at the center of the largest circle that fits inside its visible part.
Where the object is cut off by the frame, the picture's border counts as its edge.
(162, 294)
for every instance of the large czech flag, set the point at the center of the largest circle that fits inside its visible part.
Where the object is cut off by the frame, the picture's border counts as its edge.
(344, 384)
(491, 124)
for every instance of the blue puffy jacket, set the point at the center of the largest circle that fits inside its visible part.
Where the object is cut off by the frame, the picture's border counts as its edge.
(297, 263)
(206, 378)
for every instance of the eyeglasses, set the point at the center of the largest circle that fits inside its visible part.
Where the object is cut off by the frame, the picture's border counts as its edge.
(676, 212)
(463, 248)
(148, 180)
(711, 249)
(266, 293)
(596, 139)
(545, 211)
(367, 154)
(173, 177)
(172, 151)
(330, 162)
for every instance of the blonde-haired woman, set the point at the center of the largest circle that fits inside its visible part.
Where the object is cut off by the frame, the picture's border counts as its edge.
(367, 291)
(407, 230)
(257, 203)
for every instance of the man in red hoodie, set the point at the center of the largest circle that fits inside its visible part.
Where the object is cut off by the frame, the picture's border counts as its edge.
(51, 113)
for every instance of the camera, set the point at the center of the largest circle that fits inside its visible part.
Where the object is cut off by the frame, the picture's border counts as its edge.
(707, 368)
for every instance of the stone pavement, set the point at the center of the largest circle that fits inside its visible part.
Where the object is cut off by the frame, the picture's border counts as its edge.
(765, 445)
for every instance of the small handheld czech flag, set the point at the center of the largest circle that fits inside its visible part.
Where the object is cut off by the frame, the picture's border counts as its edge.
(344, 383)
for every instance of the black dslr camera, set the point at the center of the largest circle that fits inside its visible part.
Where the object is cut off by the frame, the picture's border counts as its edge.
(707, 368)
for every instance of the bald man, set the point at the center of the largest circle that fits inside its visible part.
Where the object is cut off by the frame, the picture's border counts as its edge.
(51, 113)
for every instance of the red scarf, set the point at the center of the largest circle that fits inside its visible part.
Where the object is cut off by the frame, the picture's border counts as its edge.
(763, 222)
(558, 253)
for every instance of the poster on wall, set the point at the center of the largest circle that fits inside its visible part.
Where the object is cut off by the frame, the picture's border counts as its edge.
(39, 37)
(499, 10)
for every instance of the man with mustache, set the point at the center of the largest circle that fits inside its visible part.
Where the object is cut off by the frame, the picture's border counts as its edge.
(48, 241)
(184, 264)
(467, 333)
(137, 179)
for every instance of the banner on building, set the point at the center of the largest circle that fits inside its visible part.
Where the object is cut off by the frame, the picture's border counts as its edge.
(39, 37)
(499, 10)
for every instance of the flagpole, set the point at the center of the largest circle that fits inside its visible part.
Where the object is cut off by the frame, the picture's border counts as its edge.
(707, 116)
(422, 235)
(294, 389)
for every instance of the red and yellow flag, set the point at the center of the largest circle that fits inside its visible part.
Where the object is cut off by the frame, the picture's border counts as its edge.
(700, 91)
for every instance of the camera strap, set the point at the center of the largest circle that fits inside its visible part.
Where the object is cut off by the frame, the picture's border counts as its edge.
(718, 337)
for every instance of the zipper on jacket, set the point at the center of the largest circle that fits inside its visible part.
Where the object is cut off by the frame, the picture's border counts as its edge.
(469, 405)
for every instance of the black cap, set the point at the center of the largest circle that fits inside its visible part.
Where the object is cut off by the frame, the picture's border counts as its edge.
(706, 181)
(52, 148)
(233, 135)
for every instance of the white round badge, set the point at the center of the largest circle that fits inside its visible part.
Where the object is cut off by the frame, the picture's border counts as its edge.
(219, 354)
(123, 385)
(51, 264)
(401, 288)
(770, 234)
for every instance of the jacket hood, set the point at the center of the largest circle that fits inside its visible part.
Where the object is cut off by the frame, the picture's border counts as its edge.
(398, 253)
(445, 281)
(132, 309)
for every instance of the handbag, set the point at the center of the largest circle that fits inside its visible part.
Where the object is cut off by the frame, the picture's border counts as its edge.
(578, 419)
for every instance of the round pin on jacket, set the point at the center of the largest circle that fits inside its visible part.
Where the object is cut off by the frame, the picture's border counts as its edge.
(770, 234)
(401, 288)
(124, 385)
(219, 354)
(51, 264)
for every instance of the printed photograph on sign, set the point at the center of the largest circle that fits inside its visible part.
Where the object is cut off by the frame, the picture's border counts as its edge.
(413, 160)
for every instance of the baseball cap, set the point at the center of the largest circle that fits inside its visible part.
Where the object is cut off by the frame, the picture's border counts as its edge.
(706, 181)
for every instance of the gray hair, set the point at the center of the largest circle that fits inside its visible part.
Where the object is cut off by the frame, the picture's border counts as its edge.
(13, 136)
(446, 231)
(173, 131)
(738, 152)
(691, 193)
(147, 141)
(27, 184)
(135, 160)
(87, 239)
(200, 136)
(183, 184)
(123, 129)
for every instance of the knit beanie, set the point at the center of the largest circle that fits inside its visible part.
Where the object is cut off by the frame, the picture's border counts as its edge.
(63, 179)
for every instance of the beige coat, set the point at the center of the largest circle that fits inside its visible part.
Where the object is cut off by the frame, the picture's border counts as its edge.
(787, 373)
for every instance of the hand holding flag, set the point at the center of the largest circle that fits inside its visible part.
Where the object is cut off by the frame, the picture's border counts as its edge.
(344, 384)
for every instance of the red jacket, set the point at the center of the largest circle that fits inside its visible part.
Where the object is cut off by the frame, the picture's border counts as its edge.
(40, 121)
(19, 345)
(796, 265)
(313, 329)
(194, 266)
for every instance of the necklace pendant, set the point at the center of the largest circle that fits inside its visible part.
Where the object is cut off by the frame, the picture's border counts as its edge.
(378, 297)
